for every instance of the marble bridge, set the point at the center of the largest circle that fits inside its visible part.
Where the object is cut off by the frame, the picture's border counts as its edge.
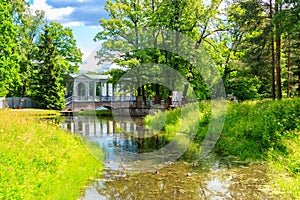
(79, 105)
(89, 92)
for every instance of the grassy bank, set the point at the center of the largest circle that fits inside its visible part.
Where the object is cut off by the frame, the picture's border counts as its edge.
(255, 131)
(266, 130)
(40, 161)
(285, 166)
(253, 128)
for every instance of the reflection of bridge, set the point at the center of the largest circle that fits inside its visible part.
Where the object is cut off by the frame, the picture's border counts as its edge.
(94, 127)
(115, 137)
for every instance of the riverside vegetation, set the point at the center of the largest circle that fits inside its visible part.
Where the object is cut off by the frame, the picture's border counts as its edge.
(264, 131)
(41, 161)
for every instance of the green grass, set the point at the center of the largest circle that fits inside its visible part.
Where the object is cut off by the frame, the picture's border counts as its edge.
(253, 127)
(40, 161)
(37, 112)
(264, 130)
(286, 166)
(181, 120)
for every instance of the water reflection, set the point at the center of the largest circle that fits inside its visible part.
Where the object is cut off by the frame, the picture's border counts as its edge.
(209, 179)
(182, 181)
(118, 139)
(89, 126)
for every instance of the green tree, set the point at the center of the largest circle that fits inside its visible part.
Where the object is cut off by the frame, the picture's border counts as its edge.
(249, 68)
(29, 28)
(34, 55)
(268, 36)
(187, 17)
(9, 66)
(290, 30)
(278, 41)
(57, 55)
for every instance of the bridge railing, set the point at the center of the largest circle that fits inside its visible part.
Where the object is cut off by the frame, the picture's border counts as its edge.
(69, 100)
(99, 99)
(17, 102)
(118, 98)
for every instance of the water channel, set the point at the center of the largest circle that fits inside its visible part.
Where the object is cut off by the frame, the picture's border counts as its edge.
(186, 178)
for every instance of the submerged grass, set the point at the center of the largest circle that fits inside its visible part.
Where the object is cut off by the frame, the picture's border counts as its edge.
(264, 130)
(40, 161)
(98, 113)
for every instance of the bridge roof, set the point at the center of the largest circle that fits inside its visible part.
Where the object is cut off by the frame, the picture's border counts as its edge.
(90, 76)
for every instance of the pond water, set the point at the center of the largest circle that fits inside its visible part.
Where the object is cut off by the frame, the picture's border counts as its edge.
(124, 141)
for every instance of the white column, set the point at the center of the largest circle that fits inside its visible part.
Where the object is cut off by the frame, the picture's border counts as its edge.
(74, 89)
(67, 88)
(100, 92)
(103, 88)
(106, 89)
(95, 93)
(110, 89)
(87, 92)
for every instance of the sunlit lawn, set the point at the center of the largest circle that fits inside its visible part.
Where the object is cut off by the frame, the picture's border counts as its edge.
(40, 161)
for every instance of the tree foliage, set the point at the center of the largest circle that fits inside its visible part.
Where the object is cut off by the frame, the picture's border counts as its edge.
(184, 17)
(35, 55)
(9, 66)
(263, 27)
(255, 44)
(56, 56)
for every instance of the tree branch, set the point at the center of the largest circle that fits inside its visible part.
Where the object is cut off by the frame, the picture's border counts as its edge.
(211, 45)
(214, 31)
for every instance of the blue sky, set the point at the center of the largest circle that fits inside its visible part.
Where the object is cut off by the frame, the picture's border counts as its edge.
(81, 15)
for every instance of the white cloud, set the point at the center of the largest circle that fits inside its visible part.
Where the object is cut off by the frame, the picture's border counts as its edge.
(53, 14)
(72, 24)
(72, 12)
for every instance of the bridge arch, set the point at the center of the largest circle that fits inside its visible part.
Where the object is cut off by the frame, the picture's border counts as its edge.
(109, 107)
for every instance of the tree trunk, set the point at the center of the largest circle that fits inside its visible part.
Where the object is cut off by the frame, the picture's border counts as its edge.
(278, 46)
(184, 95)
(289, 70)
(298, 71)
(273, 53)
(139, 82)
(143, 94)
(299, 80)
(157, 89)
